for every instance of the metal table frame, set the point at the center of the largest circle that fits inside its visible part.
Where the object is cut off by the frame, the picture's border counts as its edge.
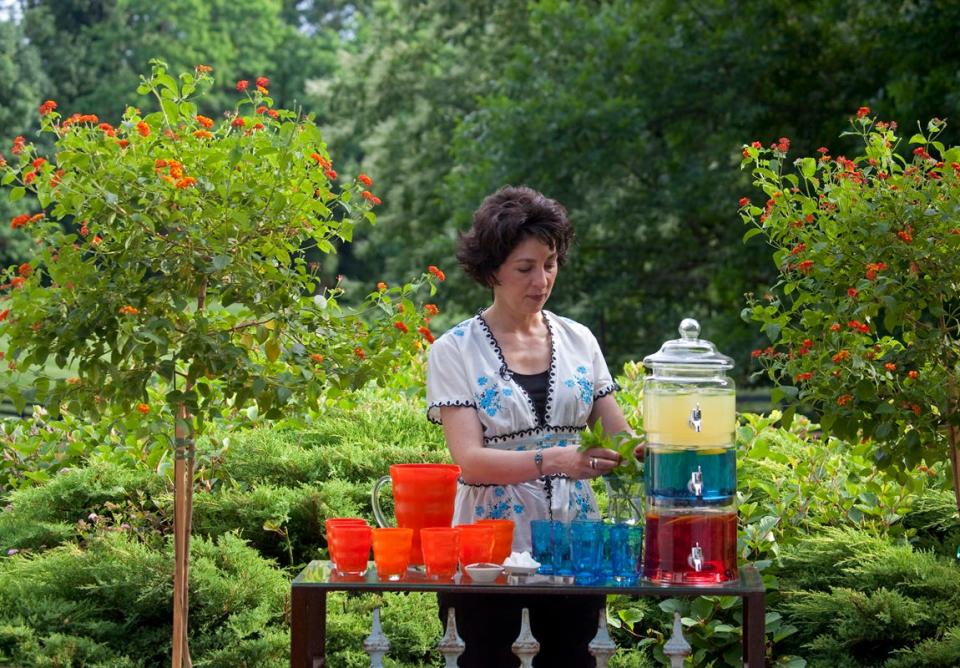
(310, 587)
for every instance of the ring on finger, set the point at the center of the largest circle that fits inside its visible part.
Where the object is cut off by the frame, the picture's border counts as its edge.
(593, 463)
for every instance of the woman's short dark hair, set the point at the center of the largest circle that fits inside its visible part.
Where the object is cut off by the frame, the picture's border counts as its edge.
(506, 218)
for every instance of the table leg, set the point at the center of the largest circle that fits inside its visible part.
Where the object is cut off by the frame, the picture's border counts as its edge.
(754, 621)
(308, 628)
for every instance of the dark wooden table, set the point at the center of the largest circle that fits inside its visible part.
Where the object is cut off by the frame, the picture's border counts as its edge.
(310, 587)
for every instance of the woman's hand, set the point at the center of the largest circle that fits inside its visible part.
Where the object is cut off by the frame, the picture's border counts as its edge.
(578, 465)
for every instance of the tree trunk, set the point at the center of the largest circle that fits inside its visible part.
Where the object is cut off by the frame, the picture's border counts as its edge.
(182, 525)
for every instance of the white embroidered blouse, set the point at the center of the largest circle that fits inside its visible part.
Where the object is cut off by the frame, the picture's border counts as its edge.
(467, 368)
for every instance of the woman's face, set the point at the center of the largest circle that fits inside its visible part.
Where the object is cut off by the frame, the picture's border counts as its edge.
(525, 279)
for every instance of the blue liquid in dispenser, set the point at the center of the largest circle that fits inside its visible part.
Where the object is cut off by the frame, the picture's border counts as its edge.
(677, 476)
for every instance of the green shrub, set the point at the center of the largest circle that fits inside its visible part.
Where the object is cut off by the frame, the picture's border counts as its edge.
(864, 600)
(110, 601)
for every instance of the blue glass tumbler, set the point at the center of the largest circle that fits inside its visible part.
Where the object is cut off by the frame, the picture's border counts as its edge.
(586, 549)
(540, 538)
(560, 546)
(626, 543)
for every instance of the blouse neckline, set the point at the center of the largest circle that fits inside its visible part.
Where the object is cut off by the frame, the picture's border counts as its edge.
(505, 372)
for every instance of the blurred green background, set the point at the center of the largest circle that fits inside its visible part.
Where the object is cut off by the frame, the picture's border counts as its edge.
(630, 113)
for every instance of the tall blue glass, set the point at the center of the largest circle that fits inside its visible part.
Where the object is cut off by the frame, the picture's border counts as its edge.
(542, 541)
(560, 545)
(586, 550)
(626, 545)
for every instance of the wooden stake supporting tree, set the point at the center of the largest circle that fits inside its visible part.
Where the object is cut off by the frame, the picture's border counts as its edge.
(173, 276)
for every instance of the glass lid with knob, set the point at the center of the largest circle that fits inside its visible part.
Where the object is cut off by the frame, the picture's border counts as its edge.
(689, 351)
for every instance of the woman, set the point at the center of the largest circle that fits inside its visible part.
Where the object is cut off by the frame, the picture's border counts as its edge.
(513, 387)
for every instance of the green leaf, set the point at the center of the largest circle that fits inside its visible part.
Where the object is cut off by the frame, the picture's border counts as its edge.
(750, 234)
(16, 193)
(272, 350)
(170, 110)
(917, 139)
(808, 167)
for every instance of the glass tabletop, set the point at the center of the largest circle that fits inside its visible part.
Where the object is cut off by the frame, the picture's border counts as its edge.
(322, 575)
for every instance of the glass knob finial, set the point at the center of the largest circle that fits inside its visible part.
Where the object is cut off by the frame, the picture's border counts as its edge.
(689, 329)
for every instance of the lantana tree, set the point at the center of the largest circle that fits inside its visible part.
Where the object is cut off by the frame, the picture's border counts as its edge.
(173, 251)
(864, 320)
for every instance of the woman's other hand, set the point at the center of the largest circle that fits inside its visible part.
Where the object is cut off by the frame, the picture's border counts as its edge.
(584, 465)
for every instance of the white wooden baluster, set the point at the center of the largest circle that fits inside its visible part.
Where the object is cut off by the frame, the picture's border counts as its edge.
(526, 646)
(451, 645)
(602, 646)
(376, 645)
(677, 646)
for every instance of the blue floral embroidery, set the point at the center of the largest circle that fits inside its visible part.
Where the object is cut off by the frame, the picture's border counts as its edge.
(478, 511)
(458, 330)
(583, 385)
(488, 398)
(518, 509)
(582, 502)
(507, 392)
(499, 491)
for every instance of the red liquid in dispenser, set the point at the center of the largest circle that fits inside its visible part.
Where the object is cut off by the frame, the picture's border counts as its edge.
(692, 548)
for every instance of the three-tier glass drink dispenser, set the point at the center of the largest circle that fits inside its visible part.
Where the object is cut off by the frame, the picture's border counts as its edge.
(690, 468)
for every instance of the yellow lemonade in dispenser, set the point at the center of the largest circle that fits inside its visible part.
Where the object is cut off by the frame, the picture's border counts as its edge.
(702, 418)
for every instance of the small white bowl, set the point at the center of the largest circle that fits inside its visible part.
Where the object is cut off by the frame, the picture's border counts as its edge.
(521, 570)
(483, 572)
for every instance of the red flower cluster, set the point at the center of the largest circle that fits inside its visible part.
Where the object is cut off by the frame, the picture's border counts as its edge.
(203, 134)
(107, 129)
(143, 408)
(437, 272)
(25, 219)
(204, 121)
(852, 293)
(841, 356)
(237, 122)
(186, 182)
(863, 111)
(806, 375)
(906, 234)
(804, 267)
(316, 357)
(203, 69)
(365, 180)
(873, 268)
(859, 326)
(242, 85)
(143, 129)
(844, 399)
(93, 119)
(426, 333)
(25, 270)
(129, 310)
(890, 366)
(47, 107)
(3, 314)
(358, 351)
(744, 201)
(782, 145)
(320, 160)
(402, 327)
(369, 196)
(381, 286)
(18, 144)
(263, 82)
(913, 375)
(431, 309)
(799, 248)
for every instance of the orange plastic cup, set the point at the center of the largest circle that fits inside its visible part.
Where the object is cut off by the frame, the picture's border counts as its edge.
(476, 543)
(352, 548)
(502, 538)
(391, 552)
(441, 550)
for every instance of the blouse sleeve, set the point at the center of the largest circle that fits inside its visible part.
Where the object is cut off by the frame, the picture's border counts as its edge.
(603, 383)
(447, 383)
